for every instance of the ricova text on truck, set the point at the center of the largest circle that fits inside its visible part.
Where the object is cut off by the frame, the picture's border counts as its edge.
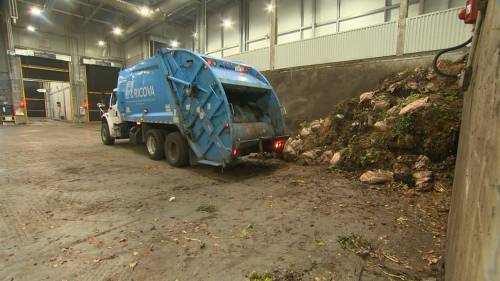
(189, 108)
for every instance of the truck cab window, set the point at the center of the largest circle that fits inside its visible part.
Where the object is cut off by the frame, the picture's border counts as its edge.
(113, 99)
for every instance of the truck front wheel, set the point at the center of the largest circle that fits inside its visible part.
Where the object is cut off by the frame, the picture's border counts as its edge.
(176, 150)
(106, 137)
(154, 144)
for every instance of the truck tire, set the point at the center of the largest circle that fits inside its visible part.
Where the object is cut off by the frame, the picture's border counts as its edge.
(176, 150)
(154, 144)
(106, 137)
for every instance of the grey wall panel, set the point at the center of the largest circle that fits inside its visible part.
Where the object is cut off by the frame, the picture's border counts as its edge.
(362, 21)
(326, 10)
(259, 20)
(232, 33)
(214, 32)
(358, 7)
(257, 58)
(369, 42)
(133, 50)
(288, 15)
(435, 31)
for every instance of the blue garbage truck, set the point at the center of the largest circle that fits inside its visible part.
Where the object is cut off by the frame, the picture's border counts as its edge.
(190, 108)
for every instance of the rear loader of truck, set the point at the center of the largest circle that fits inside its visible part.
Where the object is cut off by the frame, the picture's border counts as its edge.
(189, 108)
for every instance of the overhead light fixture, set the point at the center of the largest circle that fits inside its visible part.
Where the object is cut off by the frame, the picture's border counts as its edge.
(35, 11)
(145, 11)
(101, 43)
(269, 7)
(195, 34)
(227, 23)
(117, 31)
(31, 28)
(42, 90)
(174, 43)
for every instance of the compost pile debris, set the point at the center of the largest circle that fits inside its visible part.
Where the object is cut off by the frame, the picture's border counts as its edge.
(405, 131)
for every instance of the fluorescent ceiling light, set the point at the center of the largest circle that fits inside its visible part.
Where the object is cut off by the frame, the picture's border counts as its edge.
(35, 11)
(174, 43)
(41, 90)
(227, 23)
(269, 7)
(117, 30)
(145, 11)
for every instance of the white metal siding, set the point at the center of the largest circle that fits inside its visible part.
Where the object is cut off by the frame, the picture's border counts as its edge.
(368, 42)
(257, 58)
(435, 31)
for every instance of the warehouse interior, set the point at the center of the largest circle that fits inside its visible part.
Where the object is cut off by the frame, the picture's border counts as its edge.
(374, 149)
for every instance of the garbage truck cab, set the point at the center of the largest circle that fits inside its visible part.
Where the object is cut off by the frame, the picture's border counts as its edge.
(192, 109)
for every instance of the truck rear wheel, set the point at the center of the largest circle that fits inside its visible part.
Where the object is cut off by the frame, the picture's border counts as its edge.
(176, 150)
(106, 137)
(154, 144)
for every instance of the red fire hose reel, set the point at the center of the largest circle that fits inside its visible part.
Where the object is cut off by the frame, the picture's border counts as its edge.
(469, 13)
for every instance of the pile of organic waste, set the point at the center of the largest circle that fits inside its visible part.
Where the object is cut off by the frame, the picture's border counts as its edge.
(405, 131)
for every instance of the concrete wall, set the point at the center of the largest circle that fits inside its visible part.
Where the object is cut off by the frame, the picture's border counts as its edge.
(5, 91)
(473, 249)
(65, 38)
(310, 93)
(137, 47)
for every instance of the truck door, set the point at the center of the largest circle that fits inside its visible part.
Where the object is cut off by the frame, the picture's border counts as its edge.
(114, 115)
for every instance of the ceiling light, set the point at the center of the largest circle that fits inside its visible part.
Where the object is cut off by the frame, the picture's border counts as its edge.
(101, 43)
(41, 90)
(117, 30)
(35, 11)
(227, 23)
(174, 43)
(31, 28)
(269, 7)
(195, 34)
(145, 11)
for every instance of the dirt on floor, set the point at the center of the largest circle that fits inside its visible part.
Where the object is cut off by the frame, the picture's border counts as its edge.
(74, 209)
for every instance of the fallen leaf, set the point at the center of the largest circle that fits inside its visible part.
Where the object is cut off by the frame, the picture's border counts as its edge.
(132, 264)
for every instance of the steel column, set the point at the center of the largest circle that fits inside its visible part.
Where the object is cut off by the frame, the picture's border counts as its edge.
(403, 14)
(273, 35)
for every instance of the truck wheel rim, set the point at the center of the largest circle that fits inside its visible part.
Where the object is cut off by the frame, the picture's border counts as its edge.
(151, 144)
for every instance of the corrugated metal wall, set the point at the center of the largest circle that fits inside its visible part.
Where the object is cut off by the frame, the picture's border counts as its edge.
(257, 58)
(368, 42)
(435, 31)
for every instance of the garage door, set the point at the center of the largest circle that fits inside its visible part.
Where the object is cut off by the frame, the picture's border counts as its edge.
(37, 70)
(101, 80)
(35, 100)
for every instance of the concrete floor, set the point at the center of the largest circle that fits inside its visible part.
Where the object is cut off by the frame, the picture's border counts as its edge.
(74, 209)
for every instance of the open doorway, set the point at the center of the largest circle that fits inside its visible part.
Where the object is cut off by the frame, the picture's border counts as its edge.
(58, 100)
(47, 88)
(101, 80)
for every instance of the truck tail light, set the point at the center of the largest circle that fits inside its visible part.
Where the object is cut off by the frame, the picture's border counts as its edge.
(211, 62)
(279, 145)
(235, 152)
(86, 105)
(21, 103)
